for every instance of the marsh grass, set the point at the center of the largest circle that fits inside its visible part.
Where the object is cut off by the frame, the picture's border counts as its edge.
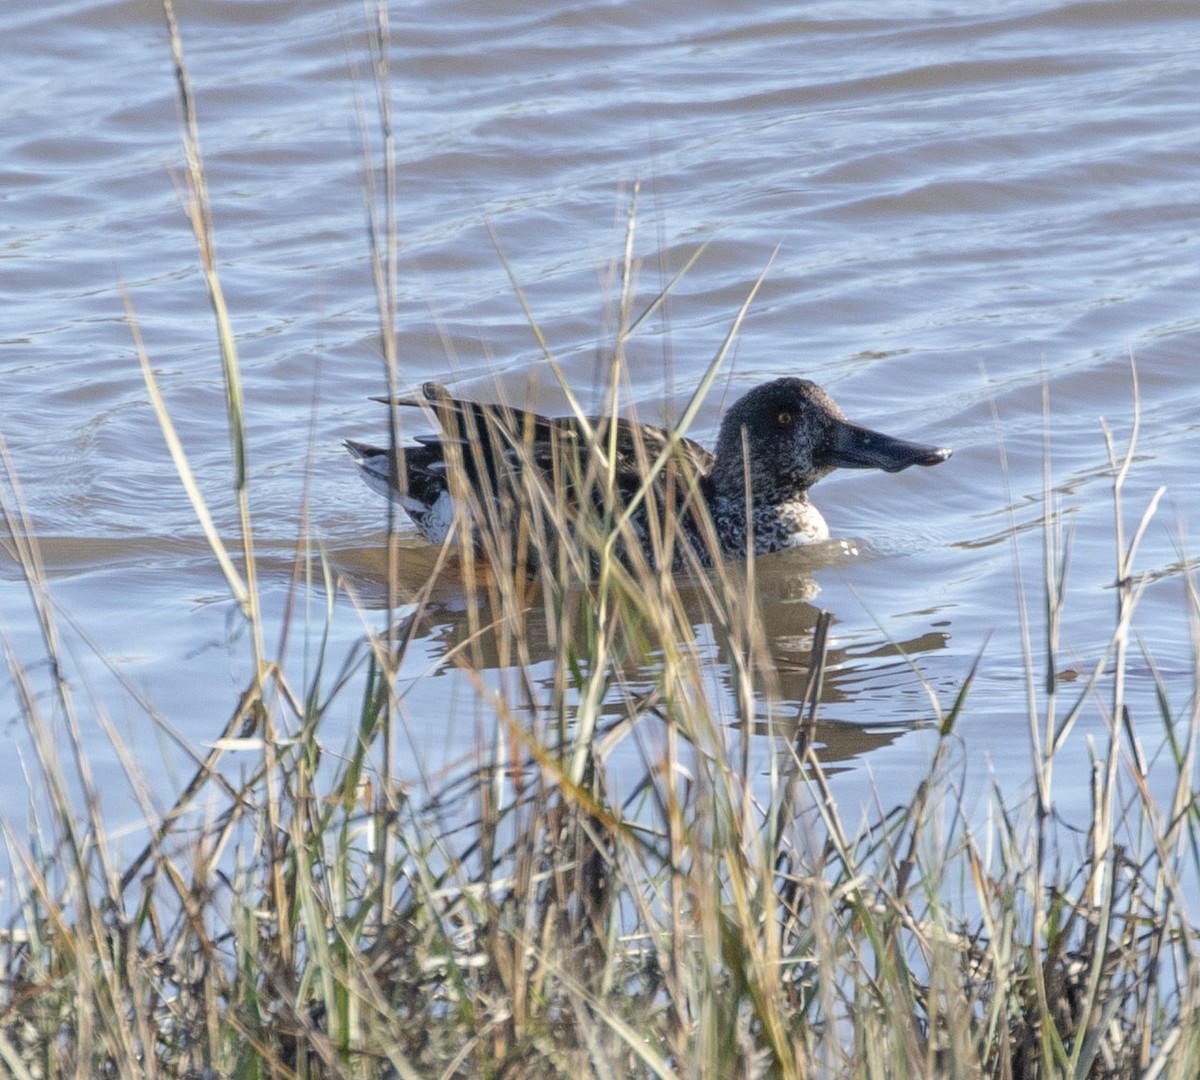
(538, 913)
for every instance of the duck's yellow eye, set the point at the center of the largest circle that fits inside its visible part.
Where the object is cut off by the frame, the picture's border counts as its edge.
(784, 418)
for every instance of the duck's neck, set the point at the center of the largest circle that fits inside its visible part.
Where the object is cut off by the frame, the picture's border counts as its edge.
(769, 490)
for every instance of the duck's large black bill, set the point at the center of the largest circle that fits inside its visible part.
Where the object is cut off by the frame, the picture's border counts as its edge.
(856, 447)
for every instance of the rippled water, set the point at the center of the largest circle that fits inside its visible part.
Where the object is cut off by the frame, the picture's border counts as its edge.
(974, 205)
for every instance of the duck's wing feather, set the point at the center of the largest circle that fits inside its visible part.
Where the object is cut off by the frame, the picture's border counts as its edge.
(488, 438)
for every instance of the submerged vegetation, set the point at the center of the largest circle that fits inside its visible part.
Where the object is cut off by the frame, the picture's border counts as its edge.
(539, 913)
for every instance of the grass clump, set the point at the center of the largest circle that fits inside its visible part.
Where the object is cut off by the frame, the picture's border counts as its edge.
(541, 912)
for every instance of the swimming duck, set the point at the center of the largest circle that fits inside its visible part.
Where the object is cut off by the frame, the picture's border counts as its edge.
(779, 439)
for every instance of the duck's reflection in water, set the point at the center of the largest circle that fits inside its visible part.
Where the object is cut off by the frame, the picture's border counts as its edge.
(854, 714)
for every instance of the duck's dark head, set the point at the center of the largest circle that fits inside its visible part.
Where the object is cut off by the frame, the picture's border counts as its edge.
(787, 434)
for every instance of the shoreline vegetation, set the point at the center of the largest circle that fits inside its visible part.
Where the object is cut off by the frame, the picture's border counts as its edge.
(535, 914)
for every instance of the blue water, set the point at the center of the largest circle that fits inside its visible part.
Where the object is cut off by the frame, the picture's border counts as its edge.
(978, 210)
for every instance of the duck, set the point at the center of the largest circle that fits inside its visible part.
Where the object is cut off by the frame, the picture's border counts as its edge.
(773, 445)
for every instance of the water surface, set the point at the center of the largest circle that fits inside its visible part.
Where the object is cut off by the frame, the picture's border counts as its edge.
(981, 211)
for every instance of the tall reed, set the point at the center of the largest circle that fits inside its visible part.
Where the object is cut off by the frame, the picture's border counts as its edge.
(543, 911)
